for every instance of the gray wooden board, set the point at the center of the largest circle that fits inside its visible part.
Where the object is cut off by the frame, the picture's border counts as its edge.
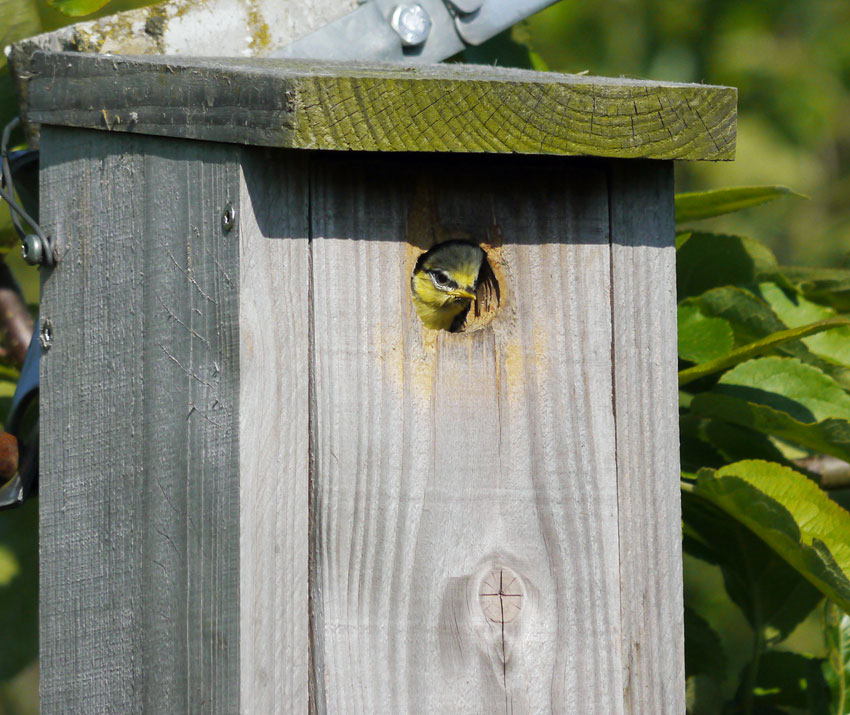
(485, 521)
(139, 494)
(171, 27)
(645, 363)
(456, 476)
(448, 108)
(273, 466)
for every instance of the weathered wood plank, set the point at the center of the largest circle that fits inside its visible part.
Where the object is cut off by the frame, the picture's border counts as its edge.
(644, 315)
(172, 28)
(139, 492)
(464, 486)
(273, 427)
(444, 108)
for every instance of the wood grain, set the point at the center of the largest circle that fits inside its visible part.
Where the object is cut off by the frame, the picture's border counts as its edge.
(442, 108)
(273, 428)
(645, 364)
(139, 592)
(266, 487)
(460, 476)
(172, 28)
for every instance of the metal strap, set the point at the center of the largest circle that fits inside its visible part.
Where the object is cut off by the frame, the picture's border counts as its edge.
(367, 33)
(7, 193)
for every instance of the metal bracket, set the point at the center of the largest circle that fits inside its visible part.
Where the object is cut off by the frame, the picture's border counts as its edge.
(37, 248)
(438, 30)
(495, 16)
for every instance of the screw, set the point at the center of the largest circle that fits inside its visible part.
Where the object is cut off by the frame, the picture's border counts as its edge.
(32, 249)
(412, 24)
(45, 334)
(228, 218)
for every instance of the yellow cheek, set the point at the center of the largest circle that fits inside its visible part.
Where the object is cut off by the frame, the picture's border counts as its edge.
(429, 294)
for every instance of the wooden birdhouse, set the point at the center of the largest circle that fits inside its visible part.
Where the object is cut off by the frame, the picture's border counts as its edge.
(266, 486)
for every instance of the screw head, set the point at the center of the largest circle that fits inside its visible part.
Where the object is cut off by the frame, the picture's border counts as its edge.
(228, 218)
(45, 334)
(32, 249)
(412, 23)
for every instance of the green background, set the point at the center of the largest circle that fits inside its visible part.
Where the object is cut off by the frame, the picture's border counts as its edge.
(790, 60)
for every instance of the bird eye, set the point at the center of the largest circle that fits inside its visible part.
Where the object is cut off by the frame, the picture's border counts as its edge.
(440, 279)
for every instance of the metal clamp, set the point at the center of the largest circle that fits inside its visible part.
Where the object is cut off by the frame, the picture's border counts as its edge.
(423, 31)
(490, 18)
(36, 247)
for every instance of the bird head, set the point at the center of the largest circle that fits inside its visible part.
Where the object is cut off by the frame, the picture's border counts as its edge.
(444, 282)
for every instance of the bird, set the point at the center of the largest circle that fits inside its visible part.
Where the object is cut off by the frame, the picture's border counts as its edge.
(444, 282)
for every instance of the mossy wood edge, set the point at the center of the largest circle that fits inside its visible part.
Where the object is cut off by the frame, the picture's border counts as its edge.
(343, 106)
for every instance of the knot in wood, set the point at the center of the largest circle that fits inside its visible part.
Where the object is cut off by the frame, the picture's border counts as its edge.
(501, 595)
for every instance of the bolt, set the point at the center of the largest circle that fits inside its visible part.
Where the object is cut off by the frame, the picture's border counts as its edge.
(412, 24)
(228, 218)
(9, 456)
(45, 334)
(32, 249)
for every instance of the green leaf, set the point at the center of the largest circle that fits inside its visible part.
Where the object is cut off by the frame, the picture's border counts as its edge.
(752, 319)
(796, 311)
(706, 204)
(77, 8)
(703, 695)
(829, 436)
(703, 648)
(736, 443)
(836, 668)
(824, 285)
(18, 588)
(791, 515)
(788, 384)
(702, 338)
(697, 451)
(682, 238)
(785, 398)
(771, 594)
(713, 443)
(790, 680)
(708, 260)
(757, 348)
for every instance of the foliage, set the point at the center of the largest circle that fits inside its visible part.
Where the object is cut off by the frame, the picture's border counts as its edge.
(764, 349)
(836, 667)
(790, 61)
(25, 18)
(18, 589)
(765, 360)
(716, 202)
(77, 8)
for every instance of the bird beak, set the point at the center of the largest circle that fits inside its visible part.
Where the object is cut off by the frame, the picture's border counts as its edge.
(461, 293)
